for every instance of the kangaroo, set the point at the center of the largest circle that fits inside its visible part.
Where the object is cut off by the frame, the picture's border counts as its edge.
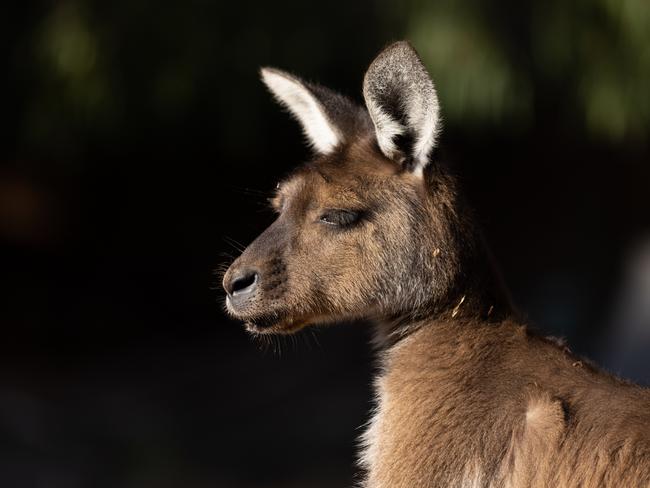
(373, 227)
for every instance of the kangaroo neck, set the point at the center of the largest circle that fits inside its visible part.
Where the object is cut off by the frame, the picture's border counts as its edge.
(480, 298)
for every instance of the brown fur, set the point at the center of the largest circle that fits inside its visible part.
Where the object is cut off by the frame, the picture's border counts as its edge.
(464, 403)
(466, 396)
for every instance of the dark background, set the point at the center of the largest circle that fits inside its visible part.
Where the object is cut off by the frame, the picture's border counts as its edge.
(138, 143)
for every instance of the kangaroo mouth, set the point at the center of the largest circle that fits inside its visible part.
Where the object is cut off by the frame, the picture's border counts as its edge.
(269, 322)
(276, 325)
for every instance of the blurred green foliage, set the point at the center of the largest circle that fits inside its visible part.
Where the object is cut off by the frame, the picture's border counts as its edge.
(601, 50)
(583, 65)
(470, 64)
(594, 55)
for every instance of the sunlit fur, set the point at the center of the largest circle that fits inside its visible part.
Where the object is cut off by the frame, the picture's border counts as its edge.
(399, 262)
(321, 133)
(402, 101)
(466, 395)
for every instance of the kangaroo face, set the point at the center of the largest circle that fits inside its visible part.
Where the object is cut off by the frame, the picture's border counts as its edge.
(360, 229)
(343, 245)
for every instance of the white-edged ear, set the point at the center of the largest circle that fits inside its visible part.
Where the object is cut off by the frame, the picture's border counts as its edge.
(403, 105)
(301, 99)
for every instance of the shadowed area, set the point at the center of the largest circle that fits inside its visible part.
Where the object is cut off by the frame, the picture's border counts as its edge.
(138, 153)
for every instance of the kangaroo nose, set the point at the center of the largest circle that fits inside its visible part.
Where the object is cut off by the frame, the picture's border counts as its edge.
(241, 283)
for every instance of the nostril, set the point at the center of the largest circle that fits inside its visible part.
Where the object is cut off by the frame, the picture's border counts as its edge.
(243, 283)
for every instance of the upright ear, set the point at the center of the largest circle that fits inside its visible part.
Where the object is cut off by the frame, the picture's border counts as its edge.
(403, 105)
(326, 117)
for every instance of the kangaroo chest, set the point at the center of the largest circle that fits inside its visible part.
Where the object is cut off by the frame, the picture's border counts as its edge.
(421, 436)
(440, 421)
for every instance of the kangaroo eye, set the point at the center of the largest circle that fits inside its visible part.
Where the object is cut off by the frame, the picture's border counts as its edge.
(340, 218)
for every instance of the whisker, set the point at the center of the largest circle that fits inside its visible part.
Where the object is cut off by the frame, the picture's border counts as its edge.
(234, 243)
(250, 191)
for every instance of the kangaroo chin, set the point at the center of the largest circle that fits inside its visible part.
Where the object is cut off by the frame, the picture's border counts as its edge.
(276, 326)
(374, 227)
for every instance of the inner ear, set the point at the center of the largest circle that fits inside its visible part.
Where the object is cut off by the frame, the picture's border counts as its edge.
(404, 147)
(321, 132)
(327, 118)
(403, 105)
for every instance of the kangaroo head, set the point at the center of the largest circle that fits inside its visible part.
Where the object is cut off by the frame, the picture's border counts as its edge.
(369, 227)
